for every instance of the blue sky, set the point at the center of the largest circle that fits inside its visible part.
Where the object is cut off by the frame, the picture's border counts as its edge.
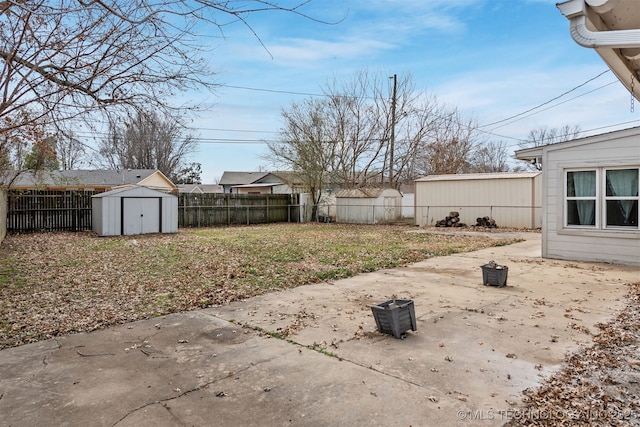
(490, 59)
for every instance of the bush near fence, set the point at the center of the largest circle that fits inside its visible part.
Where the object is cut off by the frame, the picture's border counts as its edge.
(43, 210)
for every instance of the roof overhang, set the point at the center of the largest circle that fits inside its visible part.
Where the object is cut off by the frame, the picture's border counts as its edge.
(612, 28)
(258, 185)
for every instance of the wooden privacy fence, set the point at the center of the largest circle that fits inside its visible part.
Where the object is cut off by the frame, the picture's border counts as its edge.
(71, 210)
(49, 210)
(204, 210)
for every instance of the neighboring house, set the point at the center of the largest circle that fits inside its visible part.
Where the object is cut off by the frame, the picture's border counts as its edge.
(512, 199)
(590, 197)
(368, 206)
(200, 189)
(612, 29)
(90, 180)
(262, 183)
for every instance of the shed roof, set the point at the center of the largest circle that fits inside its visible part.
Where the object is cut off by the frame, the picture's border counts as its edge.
(133, 191)
(477, 176)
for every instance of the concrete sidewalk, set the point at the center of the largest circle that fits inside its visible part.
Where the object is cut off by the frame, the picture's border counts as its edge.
(475, 349)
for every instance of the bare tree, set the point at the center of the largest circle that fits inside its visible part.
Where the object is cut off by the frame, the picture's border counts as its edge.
(71, 153)
(347, 136)
(308, 145)
(447, 145)
(490, 157)
(68, 60)
(545, 136)
(148, 141)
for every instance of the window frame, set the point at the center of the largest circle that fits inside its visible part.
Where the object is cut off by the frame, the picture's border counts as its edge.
(600, 198)
(566, 199)
(606, 198)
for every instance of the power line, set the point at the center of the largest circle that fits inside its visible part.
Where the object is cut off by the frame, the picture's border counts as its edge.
(558, 104)
(547, 102)
(275, 91)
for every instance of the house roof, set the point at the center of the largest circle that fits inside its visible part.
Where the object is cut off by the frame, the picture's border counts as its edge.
(258, 184)
(86, 178)
(476, 176)
(236, 178)
(612, 28)
(535, 152)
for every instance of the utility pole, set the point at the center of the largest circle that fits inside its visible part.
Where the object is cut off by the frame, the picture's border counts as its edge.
(393, 129)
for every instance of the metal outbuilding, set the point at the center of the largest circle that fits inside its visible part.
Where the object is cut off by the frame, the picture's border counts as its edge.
(512, 199)
(368, 206)
(134, 210)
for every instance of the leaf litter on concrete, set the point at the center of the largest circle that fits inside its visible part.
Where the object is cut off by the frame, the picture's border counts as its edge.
(598, 385)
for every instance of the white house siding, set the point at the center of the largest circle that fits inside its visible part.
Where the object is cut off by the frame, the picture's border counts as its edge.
(614, 150)
(512, 199)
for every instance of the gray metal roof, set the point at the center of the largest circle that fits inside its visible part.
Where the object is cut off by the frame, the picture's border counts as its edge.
(99, 178)
(239, 178)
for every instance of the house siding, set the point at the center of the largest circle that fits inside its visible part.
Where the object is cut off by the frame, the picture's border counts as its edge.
(621, 149)
(512, 200)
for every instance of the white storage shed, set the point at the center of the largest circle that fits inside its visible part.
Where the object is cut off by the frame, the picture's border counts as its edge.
(368, 206)
(134, 210)
(512, 199)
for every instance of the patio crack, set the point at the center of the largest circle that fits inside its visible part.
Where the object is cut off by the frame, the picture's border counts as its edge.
(163, 402)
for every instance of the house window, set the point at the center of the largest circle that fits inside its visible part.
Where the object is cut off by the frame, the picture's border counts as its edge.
(602, 198)
(622, 198)
(581, 198)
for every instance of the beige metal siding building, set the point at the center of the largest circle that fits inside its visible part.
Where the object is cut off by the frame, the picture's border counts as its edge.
(590, 187)
(512, 199)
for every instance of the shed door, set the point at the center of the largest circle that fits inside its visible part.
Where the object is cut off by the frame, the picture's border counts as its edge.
(389, 208)
(140, 215)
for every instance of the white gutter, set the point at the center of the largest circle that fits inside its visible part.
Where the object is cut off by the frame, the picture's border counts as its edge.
(575, 12)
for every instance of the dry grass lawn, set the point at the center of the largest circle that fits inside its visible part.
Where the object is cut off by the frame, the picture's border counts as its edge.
(59, 283)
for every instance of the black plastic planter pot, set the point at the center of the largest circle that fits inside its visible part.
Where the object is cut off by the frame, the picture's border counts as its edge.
(395, 317)
(494, 275)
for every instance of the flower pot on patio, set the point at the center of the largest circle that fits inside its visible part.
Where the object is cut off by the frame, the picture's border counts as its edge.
(494, 274)
(395, 317)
